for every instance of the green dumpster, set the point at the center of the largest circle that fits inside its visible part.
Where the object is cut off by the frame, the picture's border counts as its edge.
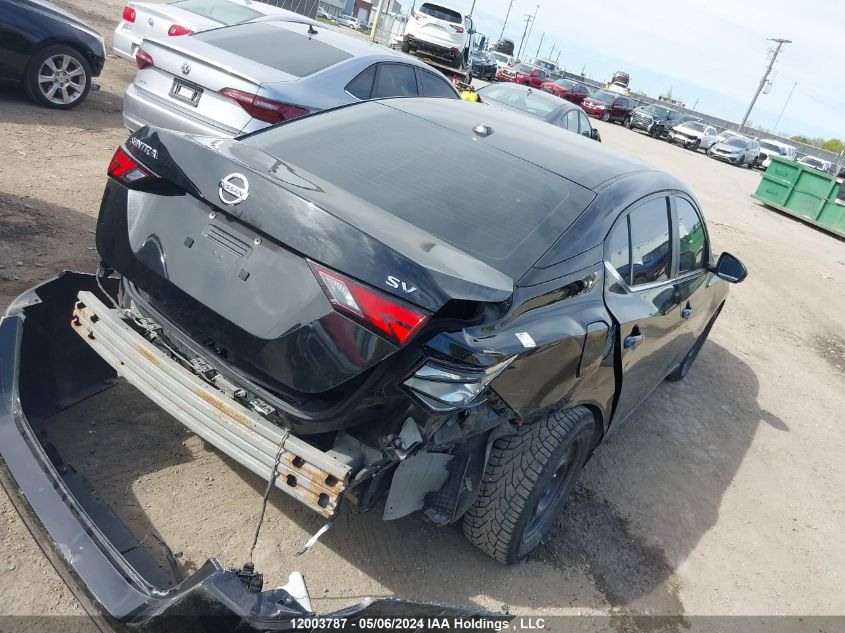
(804, 193)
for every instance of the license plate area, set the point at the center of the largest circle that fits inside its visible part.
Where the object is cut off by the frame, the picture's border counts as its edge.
(186, 92)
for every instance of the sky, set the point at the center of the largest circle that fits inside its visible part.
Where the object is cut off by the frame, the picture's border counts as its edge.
(710, 51)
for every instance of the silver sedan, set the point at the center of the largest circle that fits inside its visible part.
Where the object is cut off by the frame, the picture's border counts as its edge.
(241, 78)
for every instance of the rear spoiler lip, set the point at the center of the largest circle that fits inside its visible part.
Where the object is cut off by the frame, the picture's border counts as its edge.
(110, 590)
(196, 56)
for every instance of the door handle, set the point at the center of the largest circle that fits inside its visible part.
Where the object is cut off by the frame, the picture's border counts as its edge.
(686, 313)
(632, 341)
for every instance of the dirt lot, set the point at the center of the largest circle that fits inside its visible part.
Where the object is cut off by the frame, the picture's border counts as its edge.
(725, 494)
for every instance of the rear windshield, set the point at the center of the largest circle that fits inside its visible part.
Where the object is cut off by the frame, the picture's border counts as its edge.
(276, 47)
(565, 83)
(657, 111)
(222, 11)
(495, 207)
(441, 13)
(603, 96)
(539, 104)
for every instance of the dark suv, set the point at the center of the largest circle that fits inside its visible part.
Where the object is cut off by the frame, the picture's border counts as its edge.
(655, 119)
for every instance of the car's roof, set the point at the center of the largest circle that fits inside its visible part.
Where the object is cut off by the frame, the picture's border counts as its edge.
(572, 156)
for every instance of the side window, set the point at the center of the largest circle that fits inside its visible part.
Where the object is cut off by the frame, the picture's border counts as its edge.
(619, 250)
(711, 131)
(651, 257)
(541, 74)
(584, 127)
(362, 85)
(434, 86)
(692, 250)
(395, 80)
(570, 121)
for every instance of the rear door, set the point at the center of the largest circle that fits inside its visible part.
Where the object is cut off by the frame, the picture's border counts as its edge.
(695, 297)
(641, 295)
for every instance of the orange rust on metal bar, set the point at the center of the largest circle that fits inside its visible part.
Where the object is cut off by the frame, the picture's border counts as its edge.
(223, 407)
(317, 475)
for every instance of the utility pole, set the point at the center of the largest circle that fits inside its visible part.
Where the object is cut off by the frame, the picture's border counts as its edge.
(506, 19)
(552, 51)
(529, 25)
(780, 42)
(375, 22)
(783, 109)
(472, 8)
(524, 31)
(694, 105)
(542, 37)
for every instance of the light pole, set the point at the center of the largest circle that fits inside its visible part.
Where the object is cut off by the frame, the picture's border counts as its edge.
(780, 42)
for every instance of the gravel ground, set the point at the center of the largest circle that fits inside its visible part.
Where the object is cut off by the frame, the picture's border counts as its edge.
(722, 495)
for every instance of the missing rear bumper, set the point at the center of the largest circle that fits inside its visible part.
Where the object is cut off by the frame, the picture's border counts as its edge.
(46, 367)
(306, 473)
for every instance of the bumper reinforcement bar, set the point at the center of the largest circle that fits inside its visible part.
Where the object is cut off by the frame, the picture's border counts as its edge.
(305, 472)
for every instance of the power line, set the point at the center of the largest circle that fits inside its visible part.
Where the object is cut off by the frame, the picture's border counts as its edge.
(780, 42)
(783, 109)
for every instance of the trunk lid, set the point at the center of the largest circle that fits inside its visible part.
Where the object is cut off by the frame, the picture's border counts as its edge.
(187, 76)
(239, 278)
(155, 20)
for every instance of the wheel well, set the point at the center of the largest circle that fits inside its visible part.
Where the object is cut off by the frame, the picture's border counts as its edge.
(82, 50)
(598, 423)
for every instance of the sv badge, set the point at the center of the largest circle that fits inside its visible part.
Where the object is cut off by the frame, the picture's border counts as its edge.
(395, 282)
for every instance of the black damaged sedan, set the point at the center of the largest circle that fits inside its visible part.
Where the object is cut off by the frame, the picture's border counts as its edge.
(427, 302)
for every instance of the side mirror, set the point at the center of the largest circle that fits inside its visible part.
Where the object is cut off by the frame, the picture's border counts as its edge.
(730, 269)
(594, 134)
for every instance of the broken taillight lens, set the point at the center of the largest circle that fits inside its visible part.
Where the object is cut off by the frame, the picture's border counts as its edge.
(263, 109)
(127, 170)
(128, 14)
(178, 29)
(143, 59)
(378, 311)
(449, 388)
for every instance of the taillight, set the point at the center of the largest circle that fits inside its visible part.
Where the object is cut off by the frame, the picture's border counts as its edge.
(128, 14)
(143, 59)
(176, 29)
(127, 170)
(458, 29)
(264, 109)
(450, 388)
(376, 310)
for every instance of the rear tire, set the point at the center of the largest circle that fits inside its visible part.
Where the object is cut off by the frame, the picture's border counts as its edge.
(527, 482)
(627, 122)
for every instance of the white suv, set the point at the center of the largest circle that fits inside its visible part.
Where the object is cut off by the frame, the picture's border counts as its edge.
(438, 31)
